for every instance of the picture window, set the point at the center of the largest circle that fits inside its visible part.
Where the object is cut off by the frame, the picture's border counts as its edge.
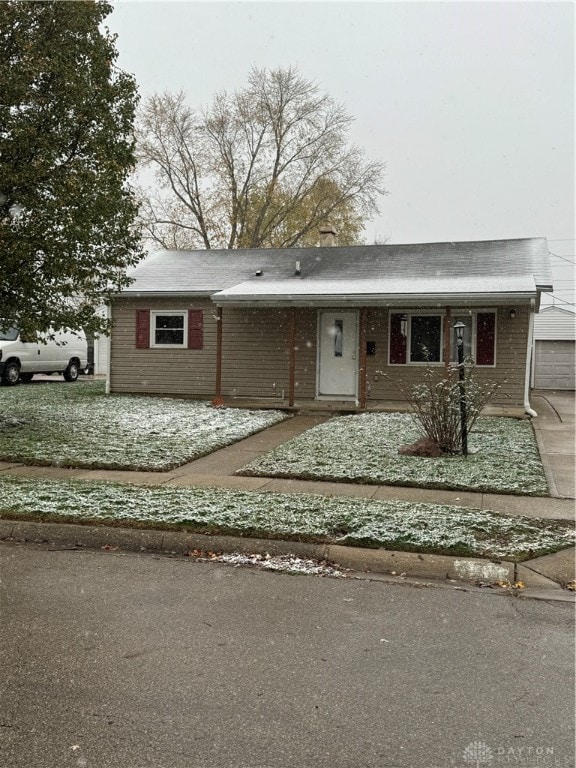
(418, 338)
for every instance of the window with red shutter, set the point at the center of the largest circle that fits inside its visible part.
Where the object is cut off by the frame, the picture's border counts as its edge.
(485, 338)
(397, 338)
(195, 329)
(142, 329)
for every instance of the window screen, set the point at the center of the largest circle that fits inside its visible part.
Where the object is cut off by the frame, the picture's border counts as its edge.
(169, 329)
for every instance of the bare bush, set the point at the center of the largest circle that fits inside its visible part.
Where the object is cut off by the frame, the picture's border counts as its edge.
(436, 403)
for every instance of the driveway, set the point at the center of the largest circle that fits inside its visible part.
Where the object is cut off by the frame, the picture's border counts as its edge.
(556, 435)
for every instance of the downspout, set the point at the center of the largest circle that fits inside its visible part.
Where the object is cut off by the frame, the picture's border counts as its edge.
(109, 340)
(530, 347)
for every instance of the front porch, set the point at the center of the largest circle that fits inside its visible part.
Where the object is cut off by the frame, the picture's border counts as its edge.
(342, 407)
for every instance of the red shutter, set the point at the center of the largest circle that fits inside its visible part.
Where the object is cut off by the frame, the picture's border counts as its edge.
(142, 329)
(397, 339)
(485, 338)
(195, 329)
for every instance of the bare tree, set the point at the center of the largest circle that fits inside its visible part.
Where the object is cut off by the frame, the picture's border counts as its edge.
(261, 167)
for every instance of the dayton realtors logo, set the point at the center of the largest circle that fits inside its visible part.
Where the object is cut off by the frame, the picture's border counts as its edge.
(478, 754)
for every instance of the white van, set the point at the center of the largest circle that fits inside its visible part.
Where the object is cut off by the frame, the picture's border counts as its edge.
(66, 353)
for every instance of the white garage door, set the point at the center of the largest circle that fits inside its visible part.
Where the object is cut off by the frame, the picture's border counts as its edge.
(554, 365)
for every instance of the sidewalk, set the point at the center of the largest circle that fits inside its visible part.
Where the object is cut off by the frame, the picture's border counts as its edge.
(555, 433)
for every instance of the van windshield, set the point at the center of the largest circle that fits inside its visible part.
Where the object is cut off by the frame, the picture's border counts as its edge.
(10, 334)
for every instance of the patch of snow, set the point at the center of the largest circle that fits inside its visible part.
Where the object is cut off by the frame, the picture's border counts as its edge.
(79, 426)
(503, 456)
(283, 563)
(417, 527)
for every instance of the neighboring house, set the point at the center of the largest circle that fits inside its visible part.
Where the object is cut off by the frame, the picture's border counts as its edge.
(342, 325)
(99, 349)
(101, 354)
(554, 358)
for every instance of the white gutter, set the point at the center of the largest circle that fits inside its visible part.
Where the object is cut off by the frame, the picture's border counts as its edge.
(530, 347)
(164, 294)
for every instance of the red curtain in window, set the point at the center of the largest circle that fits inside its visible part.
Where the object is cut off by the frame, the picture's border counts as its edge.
(142, 329)
(485, 338)
(397, 339)
(195, 329)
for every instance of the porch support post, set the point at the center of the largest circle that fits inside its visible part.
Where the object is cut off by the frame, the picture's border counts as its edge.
(292, 356)
(447, 337)
(217, 399)
(363, 373)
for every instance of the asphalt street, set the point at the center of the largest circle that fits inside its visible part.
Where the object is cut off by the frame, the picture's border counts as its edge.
(119, 660)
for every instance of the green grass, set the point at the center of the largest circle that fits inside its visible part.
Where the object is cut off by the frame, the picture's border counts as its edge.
(428, 528)
(364, 449)
(77, 425)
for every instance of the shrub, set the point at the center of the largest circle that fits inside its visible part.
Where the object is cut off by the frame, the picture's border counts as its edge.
(436, 403)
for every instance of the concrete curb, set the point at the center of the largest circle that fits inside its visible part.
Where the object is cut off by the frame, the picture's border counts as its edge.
(408, 564)
(420, 565)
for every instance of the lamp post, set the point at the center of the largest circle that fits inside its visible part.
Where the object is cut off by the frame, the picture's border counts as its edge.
(459, 327)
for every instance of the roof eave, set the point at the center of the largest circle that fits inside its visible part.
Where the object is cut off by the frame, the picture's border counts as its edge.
(163, 294)
(373, 300)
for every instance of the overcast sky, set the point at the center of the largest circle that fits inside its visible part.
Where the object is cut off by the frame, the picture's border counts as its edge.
(469, 104)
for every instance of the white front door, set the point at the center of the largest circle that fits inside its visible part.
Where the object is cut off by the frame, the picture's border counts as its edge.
(337, 355)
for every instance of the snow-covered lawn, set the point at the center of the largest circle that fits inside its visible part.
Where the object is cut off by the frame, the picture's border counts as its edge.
(437, 528)
(77, 425)
(364, 449)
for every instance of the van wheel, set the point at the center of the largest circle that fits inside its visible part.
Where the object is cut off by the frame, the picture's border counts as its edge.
(71, 373)
(11, 375)
(26, 378)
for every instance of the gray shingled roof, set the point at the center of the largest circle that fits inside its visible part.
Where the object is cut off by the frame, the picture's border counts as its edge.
(518, 268)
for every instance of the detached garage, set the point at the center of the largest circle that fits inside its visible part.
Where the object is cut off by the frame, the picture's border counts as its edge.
(554, 360)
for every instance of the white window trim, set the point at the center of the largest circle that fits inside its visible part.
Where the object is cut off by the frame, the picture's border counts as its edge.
(175, 313)
(455, 312)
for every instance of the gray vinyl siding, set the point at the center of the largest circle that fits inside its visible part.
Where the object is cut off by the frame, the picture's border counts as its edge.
(188, 372)
(256, 355)
(255, 359)
(306, 354)
(389, 382)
